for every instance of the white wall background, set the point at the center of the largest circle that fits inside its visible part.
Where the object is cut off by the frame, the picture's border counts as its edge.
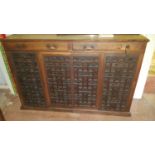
(141, 80)
(145, 66)
(2, 79)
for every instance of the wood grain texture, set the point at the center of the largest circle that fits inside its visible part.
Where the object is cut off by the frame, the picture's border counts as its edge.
(1, 116)
(36, 46)
(117, 37)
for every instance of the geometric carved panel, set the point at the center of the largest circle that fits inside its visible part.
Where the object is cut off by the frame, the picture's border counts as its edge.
(118, 76)
(27, 73)
(59, 79)
(85, 70)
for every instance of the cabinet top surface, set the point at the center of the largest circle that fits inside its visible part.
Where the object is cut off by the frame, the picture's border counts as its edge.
(122, 37)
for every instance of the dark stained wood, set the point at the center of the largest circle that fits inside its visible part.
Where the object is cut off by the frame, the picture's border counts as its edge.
(44, 78)
(13, 73)
(72, 79)
(110, 46)
(26, 67)
(36, 46)
(116, 38)
(85, 68)
(1, 116)
(119, 72)
(55, 46)
(79, 110)
(47, 66)
(100, 79)
(76, 73)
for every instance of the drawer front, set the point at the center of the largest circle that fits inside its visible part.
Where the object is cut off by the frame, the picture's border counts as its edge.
(91, 46)
(49, 45)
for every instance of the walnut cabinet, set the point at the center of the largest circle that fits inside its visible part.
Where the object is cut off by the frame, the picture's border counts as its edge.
(76, 72)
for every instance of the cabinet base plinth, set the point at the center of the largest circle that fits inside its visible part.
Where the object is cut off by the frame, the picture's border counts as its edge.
(77, 110)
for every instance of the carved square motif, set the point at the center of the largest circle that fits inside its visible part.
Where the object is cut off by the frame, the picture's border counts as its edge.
(118, 75)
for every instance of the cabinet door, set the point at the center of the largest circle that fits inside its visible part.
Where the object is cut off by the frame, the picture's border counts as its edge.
(71, 79)
(119, 72)
(58, 76)
(27, 74)
(85, 79)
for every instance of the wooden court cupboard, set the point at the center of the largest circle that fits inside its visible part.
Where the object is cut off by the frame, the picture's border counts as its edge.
(81, 73)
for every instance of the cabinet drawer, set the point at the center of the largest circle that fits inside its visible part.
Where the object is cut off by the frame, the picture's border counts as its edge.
(49, 45)
(91, 46)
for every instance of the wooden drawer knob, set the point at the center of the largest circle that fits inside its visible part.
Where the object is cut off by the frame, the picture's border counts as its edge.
(51, 46)
(127, 47)
(20, 45)
(88, 47)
